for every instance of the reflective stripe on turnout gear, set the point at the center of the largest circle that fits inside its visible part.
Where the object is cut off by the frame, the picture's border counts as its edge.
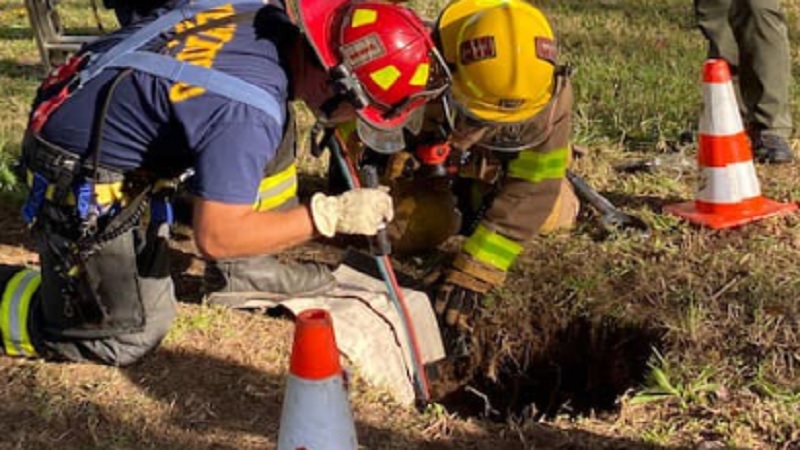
(275, 190)
(14, 312)
(491, 248)
(536, 166)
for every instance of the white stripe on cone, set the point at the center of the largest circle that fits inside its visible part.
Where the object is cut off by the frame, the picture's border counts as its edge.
(721, 112)
(731, 184)
(316, 416)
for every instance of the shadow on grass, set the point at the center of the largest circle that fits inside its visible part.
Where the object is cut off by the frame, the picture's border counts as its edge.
(17, 70)
(649, 202)
(15, 33)
(215, 403)
(25, 33)
(13, 231)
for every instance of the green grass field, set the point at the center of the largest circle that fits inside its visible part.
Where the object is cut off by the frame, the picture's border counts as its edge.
(687, 339)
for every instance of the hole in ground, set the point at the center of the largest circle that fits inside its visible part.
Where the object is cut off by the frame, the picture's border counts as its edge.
(585, 367)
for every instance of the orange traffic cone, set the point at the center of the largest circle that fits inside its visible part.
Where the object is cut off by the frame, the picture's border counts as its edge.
(316, 413)
(728, 193)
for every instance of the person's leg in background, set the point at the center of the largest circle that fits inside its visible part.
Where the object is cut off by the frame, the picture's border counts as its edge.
(765, 76)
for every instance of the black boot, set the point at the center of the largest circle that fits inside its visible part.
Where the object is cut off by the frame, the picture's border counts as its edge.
(259, 281)
(771, 149)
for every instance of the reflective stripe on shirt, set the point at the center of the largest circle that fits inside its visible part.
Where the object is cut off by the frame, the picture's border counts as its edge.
(275, 190)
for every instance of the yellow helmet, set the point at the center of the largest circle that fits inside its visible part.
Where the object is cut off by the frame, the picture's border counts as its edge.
(502, 54)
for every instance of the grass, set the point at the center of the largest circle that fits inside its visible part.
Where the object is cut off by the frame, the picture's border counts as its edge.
(687, 337)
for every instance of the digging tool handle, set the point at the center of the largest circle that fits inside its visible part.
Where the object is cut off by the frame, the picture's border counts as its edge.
(589, 195)
(380, 244)
(611, 216)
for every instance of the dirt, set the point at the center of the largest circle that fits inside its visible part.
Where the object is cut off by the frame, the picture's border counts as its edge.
(217, 382)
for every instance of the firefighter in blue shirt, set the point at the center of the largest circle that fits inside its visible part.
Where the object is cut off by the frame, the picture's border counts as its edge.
(196, 89)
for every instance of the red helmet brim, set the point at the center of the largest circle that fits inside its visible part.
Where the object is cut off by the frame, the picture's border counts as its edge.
(317, 18)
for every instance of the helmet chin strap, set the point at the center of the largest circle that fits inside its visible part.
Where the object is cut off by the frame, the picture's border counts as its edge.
(331, 105)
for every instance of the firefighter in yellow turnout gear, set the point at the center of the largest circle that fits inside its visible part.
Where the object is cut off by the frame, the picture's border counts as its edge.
(509, 148)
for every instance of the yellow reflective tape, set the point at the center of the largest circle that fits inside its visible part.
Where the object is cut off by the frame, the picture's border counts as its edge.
(363, 17)
(385, 77)
(268, 200)
(108, 193)
(13, 299)
(420, 77)
(491, 248)
(535, 166)
(274, 180)
(24, 307)
(274, 201)
(5, 311)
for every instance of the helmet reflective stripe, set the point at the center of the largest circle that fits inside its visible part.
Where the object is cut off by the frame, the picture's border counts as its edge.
(14, 312)
(385, 77)
(363, 17)
(420, 77)
(275, 190)
(491, 248)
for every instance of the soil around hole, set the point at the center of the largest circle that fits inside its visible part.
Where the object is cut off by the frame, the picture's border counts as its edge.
(579, 368)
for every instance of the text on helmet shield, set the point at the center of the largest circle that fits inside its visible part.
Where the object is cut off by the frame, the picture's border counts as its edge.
(363, 50)
(477, 49)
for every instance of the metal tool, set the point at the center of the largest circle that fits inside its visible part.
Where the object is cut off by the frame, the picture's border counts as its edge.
(381, 248)
(611, 217)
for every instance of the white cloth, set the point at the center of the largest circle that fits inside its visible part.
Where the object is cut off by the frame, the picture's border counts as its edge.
(369, 330)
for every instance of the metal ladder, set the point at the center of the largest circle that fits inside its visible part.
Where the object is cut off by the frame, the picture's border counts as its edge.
(54, 45)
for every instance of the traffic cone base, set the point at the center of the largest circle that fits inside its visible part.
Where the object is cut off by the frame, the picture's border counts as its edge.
(738, 214)
(316, 413)
(316, 416)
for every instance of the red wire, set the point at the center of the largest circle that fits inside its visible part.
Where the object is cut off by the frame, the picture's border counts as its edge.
(395, 286)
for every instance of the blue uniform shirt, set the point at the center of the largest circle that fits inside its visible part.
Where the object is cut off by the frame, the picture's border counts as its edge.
(167, 127)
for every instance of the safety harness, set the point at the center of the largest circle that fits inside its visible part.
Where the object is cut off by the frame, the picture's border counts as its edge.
(100, 197)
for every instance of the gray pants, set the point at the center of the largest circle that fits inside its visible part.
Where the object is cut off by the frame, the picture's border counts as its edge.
(127, 314)
(752, 36)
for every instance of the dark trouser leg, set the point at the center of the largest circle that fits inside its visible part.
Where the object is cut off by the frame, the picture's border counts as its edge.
(713, 19)
(765, 65)
(128, 317)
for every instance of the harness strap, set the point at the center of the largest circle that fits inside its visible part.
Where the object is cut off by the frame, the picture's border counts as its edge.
(212, 80)
(126, 54)
(150, 31)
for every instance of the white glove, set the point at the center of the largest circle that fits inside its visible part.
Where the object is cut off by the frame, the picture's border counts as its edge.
(360, 211)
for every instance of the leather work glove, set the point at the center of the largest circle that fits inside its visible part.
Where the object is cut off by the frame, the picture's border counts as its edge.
(458, 306)
(358, 211)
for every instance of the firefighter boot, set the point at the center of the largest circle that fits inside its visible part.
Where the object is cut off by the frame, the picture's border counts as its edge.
(771, 149)
(257, 282)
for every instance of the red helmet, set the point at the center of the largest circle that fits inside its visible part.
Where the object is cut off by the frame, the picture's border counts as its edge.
(381, 57)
